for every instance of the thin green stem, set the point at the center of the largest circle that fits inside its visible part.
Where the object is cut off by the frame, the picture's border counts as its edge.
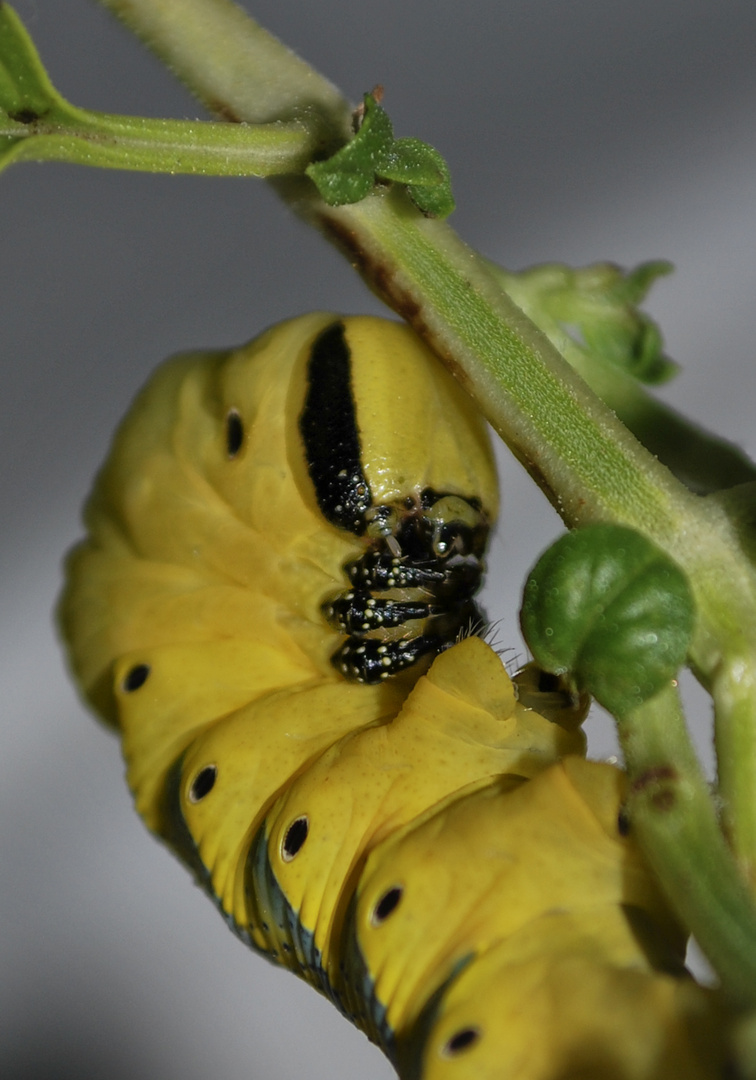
(672, 817)
(171, 146)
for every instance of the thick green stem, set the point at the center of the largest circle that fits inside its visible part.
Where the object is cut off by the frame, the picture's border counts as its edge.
(238, 69)
(672, 817)
(734, 693)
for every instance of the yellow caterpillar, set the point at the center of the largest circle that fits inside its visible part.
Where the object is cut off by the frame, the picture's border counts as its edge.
(281, 541)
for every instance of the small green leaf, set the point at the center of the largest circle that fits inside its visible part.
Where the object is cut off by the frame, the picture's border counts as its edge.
(349, 175)
(424, 171)
(607, 605)
(373, 155)
(614, 328)
(634, 285)
(26, 93)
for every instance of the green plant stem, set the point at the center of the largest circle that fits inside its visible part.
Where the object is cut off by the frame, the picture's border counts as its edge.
(734, 696)
(672, 817)
(589, 465)
(238, 69)
(172, 146)
(700, 460)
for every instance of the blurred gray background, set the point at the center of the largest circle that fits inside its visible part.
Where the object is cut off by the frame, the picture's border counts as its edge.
(575, 131)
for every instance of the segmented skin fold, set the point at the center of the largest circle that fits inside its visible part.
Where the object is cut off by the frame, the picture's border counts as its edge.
(272, 606)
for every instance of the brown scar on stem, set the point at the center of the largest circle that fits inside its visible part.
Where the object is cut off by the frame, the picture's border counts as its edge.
(663, 799)
(650, 776)
(26, 116)
(377, 273)
(223, 111)
(538, 476)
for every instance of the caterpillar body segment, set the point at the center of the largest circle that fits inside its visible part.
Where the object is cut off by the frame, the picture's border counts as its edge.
(547, 1004)
(367, 785)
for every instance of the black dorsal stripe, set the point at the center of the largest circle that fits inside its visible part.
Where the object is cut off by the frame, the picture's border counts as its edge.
(328, 426)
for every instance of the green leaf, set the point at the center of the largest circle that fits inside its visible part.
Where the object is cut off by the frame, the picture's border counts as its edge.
(424, 171)
(26, 93)
(375, 155)
(607, 605)
(633, 285)
(632, 341)
(349, 175)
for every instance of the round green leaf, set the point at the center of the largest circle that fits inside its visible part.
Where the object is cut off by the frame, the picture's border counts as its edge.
(607, 605)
